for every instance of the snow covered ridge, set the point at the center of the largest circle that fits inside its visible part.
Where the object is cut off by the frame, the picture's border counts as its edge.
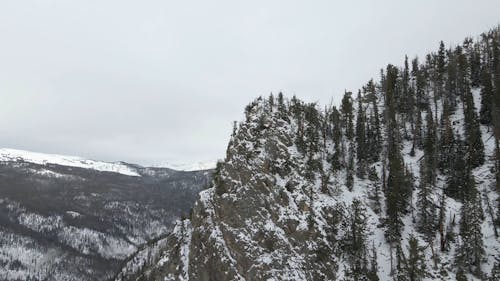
(14, 155)
(189, 167)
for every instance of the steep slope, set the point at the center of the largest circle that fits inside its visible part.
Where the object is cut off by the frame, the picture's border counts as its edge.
(67, 218)
(409, 193)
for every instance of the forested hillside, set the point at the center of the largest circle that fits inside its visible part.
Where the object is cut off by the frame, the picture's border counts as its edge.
(399, 182)
(67, 218)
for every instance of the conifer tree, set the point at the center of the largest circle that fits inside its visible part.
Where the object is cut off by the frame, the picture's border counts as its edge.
(361, 148)
(429, 163)
(441, 221)
(475, 146)
(335, 158)
(271, 102)
(356, 229)
(486, 98)
(446, 144)
(347, 115)
(349, 181)
(373, 270)
(375, 192)
(474, 57)
(282, 108)
(441, 61)
(420, 84)
(280, 99)
(408, 96)
(417, 133)
(495, 65)
(401, 274)
(463, 71)
(354, 241)
(495, 110)
(471, 249)
(426, 209)
(376, 137)
(398, 188)
(459, 176)
(450, 84)
(415, 268)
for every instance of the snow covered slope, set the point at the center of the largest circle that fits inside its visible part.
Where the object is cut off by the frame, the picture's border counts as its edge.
(14, 155)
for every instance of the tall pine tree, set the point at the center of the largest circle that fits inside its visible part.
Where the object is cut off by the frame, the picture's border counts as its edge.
(475, 146)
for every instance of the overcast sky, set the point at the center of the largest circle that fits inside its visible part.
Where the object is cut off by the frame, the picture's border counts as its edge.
(161, 81)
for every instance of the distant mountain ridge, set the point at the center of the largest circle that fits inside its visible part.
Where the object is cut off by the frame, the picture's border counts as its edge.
(193, 166)
(16, 155)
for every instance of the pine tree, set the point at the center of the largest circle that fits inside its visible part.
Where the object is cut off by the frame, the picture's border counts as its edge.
(495, 110)
(471, 250)
(282, 108)
(426, 209)
(417, 133)
(408, 102)
(335, 158)
(349, 181)
(415, 268)
(441, 61)
(347, 115)
(311, 140)
(451, 88)
(361, 148)
(446, 145)
(474, 56)
(486, 99)
(463, 71)
(429, 164)
(354, 240)
(401, 263)
(373, 270)
(420, 84)
(376, 139)
(457, 177)
(398, 188)
(375, 192)
(441, 221)
(440, 70)
(495, 65)
(270, 102)
(475, 146)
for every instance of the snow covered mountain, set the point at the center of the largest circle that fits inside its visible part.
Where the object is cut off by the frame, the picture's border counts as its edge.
(14, 155)
(403, 186)
(68, 218)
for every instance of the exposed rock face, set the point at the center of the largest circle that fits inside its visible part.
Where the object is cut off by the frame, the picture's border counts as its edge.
(263, 218)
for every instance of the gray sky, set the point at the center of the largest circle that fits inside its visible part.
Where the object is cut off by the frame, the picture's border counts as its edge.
(161, 81)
